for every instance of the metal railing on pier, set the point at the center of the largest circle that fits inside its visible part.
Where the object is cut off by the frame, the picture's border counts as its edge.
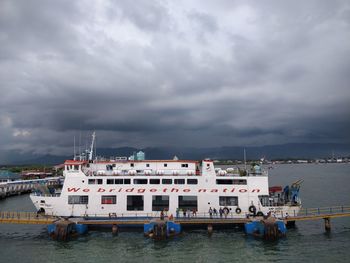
(324, 210)
(25, 218)
(188, 218)
(321, 213)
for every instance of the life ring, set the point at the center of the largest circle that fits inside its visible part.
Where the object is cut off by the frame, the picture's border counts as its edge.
(260, 213)
(238, 210)
(252, 209)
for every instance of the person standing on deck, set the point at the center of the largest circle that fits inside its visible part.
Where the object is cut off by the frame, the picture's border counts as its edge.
(226, 211)
(221, 212)
(194, 212)
(210, 212)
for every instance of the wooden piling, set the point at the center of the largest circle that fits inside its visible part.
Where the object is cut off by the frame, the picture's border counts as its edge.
(327, 224)
(159, 230)
(63, 230)
(210, 229)
(115, 230)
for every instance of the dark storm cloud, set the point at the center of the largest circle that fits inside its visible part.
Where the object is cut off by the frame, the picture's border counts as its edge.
(194, 73)
(147, 15)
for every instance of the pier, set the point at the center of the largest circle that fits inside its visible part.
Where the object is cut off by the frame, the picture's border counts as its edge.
(306, 214)
(19, 187)
(26, 218)
(60, 228)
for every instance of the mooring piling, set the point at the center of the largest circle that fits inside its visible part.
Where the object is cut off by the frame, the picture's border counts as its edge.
(115, 229)
(327, 224)
(210, 229)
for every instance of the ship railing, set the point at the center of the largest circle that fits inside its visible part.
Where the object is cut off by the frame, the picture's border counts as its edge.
(168, 215)
(24, 216)
(262, 173)
(45, 195)
(250, 174)
(126, 173)
(324, 210)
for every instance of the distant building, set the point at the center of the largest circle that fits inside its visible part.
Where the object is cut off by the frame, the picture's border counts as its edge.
(137, 156)
(302, 161)
(140, 156)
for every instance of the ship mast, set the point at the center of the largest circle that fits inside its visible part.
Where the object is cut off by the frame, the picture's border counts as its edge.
(92, 146)
(245, 160)
(74, 158)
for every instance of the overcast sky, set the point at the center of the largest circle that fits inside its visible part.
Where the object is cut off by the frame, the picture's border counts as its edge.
(165, 73)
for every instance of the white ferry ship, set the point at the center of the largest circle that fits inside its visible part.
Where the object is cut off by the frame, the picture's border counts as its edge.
(126, 188)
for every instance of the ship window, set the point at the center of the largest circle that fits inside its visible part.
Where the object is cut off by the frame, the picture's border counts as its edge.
(78, 199)
(192, 181)
(95, 181)
(240, 181)
(167, 181)
(134, 203)
(184, 165)
(231, 181)
(110, 181)
(118, 181)
(108, 199)
(188, 202)
(127, 181)
(131, 165)
(228, 200)
(264, 200)
(160, 202)
(147, 164)
(224, 181)
(154, 181)
(140, 181)
(179, 181)
(165, 165)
